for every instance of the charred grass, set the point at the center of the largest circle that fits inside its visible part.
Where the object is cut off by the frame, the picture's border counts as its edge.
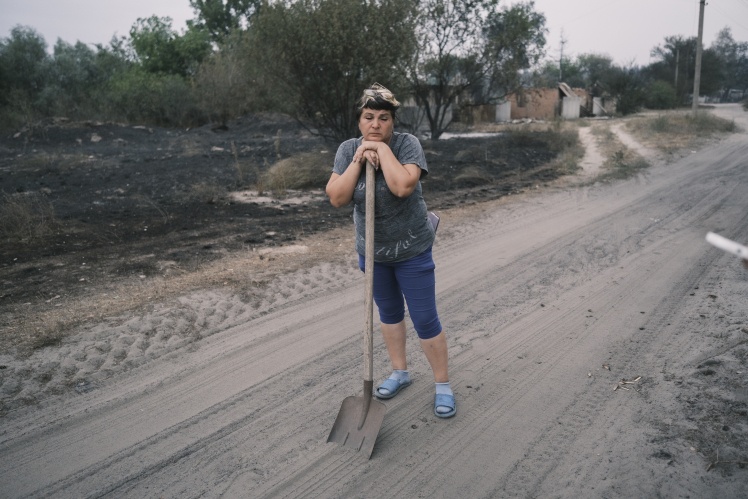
(99, 219)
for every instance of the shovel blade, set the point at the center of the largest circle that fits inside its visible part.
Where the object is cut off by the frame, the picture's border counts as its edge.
(348, 429)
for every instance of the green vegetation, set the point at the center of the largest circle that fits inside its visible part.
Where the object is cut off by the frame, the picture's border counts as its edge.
(667, 83)
(620, 161)
(311, 58)
(307, 58)
(673, 131)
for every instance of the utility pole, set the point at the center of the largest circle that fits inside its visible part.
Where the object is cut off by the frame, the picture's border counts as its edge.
(697, 72)
(561, 59)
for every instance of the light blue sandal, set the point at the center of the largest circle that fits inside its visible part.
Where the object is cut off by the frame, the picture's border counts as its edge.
(391, 385)
(443, 400)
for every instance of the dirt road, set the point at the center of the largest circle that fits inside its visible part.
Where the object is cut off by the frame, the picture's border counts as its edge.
(549, 300)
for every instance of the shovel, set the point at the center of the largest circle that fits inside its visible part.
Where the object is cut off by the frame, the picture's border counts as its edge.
(360, 418)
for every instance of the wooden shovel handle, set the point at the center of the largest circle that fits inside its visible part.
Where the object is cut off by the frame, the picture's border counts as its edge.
(369, 272)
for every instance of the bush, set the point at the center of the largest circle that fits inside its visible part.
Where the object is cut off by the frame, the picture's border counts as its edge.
(140, 97)
(303, 171)
(706, 123)
(661, 95)
(26, 216)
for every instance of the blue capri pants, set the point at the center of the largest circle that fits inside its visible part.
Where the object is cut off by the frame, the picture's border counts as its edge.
(411, 281)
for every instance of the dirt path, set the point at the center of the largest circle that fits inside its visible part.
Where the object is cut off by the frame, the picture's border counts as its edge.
(549, 301)
(593, 158)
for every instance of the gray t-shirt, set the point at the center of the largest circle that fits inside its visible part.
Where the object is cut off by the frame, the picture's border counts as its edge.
(401, 226)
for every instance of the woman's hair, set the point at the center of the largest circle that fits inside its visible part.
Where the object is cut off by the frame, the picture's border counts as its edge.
(377, 97)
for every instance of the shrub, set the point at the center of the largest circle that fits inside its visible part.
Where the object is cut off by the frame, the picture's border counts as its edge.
(26, 216)
(140, 97)
(206, 193)
(303, 171)
(661, 95)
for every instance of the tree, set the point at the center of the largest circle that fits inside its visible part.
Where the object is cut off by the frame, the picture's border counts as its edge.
(468, 47)
(545, 75)
(22, 67)
(734, 62)
(320, 54)
(222, 17)
(514, 41)
(160, 49)
(139, 96)
(628, 86)
(221, 84)
(660, 95)
(595, 69)
(72, 75)
(588, 71)
(677, 64)
(447, 61)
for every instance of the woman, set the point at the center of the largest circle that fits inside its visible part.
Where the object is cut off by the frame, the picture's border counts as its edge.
(403, 265)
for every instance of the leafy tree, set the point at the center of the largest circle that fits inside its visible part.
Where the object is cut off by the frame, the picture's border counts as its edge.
(221, 84)
(469, 47)
(222, 17)
(628, 85)
(677, 64)
(448, 59)
(139, 96)
(544, 75)
(73, 75)
(160, 49)
(660, 95)
(595, 70)
(320, 54)
(115, 58)
(514, 40)
(23, 57)
(734, 61)
(588, 71)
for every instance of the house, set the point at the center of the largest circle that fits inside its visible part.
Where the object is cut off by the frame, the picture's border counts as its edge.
(544, 104)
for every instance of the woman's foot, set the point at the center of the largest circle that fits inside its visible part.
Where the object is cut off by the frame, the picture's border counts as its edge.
(444, 401)
(392, 385)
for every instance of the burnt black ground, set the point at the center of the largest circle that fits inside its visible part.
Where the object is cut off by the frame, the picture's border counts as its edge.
(120, 192)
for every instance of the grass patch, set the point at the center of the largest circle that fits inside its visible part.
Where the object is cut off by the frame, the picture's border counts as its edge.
(620, 162)
(303, 171)
(563, 139)
(52, 162)
(206, 193)
(26, 216)
(673, 131)
(558, 136)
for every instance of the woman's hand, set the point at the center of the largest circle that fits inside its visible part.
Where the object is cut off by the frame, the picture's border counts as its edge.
(401, 179)
(368, 151)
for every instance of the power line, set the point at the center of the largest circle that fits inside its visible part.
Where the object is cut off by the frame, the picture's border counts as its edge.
(730, 19)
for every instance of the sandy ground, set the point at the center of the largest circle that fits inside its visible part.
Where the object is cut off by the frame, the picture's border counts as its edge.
(598, 348)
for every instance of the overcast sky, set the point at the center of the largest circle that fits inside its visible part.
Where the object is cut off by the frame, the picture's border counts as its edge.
(626, 30)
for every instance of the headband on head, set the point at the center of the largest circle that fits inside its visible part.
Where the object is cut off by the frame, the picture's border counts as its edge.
(377, 96)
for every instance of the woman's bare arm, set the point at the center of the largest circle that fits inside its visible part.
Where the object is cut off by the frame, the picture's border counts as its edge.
(401, 179)
(340, 188)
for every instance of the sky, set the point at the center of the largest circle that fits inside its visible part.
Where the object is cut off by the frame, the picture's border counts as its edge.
(625, 30)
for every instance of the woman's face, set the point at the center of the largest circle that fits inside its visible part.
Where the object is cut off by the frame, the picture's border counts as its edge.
(376, 125)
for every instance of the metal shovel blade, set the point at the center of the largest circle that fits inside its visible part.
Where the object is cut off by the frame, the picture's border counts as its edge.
(358, 423)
